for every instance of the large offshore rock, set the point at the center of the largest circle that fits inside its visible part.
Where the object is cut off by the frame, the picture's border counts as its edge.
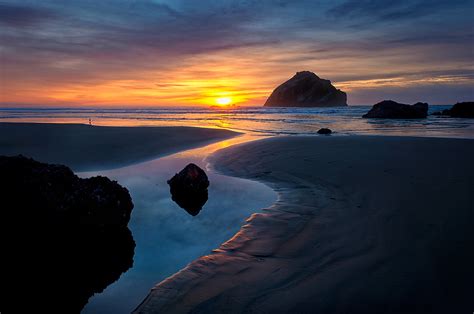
(459, 110)
(306, 89)
(188, 188)
(63, 238)
(389, 109)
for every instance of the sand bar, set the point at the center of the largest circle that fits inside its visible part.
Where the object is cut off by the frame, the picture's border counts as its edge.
(84, 147)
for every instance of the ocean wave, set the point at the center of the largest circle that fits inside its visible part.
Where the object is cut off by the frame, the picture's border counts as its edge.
(258, 120)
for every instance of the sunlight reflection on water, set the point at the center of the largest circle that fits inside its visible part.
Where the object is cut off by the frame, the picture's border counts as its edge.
(167, 237)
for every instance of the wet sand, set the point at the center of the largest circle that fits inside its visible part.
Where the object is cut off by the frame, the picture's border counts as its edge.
(363, 224)
(85, 148)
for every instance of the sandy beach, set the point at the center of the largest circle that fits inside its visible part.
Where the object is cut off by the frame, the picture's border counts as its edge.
(363, 224)
(84, 147)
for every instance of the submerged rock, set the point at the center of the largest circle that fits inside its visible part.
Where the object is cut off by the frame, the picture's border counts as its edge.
(389, 109)
(306, 89)
(64, 237)
(324, 131)
(189, 188)
(459, 110)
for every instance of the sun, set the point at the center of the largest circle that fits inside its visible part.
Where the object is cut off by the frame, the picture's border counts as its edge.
(223, 101)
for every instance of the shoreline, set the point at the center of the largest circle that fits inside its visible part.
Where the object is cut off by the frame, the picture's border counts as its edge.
(262, 121)
(297, 255)
(87, 148)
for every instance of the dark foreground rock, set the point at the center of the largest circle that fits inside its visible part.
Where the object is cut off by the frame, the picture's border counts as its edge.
(324, 131)
(63, 238)
(189, 188)
(306, 89)
(389, 109)
(459, 110)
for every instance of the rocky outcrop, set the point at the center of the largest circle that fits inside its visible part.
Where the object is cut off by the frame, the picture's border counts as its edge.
(459, 110)
(324, 131)
(389, 109)
(188, 188)
(306, 89)
(63, 237)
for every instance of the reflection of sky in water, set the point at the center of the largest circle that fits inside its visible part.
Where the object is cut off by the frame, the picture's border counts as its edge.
(256, 120)
(167, 237)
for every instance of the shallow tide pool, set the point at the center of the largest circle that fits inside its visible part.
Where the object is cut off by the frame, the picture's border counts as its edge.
(167, 237)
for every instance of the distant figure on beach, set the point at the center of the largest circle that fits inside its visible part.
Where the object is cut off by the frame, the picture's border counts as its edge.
(90, 121)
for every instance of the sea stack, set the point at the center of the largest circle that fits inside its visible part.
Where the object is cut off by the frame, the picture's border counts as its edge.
(459, 110)
(389, 109)
(306, 89)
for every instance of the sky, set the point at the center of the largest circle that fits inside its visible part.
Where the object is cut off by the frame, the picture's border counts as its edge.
(176, 53)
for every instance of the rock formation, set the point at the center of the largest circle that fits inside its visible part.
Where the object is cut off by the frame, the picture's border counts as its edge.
(324, 131)
(63, 238)
(459, 110)
(389, 109)
(188, 188)
(306, 89)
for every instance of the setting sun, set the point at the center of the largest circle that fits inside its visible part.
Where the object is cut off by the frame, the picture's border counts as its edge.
(223, 101)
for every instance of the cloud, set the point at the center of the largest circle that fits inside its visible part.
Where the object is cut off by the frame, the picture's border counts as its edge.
(387, 10)
(23, 16)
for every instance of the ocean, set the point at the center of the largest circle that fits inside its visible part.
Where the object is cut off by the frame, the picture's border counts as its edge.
(253, 120)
